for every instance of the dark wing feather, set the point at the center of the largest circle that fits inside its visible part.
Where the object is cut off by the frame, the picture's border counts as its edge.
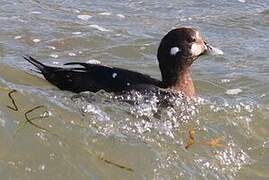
(92, 77)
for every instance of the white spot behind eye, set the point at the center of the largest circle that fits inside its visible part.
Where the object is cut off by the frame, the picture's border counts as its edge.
(114, 75)
(174, 50)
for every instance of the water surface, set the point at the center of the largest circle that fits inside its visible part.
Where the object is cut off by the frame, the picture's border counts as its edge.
(94, 136)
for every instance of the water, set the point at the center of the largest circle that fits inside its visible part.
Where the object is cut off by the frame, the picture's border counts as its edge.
(95, 136)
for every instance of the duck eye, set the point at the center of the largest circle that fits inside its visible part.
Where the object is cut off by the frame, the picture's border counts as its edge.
(174, 50)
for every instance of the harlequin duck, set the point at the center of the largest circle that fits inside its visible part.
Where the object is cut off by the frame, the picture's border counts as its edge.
(178, 49)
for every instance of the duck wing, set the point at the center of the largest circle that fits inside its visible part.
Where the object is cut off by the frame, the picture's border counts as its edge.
(92, 77)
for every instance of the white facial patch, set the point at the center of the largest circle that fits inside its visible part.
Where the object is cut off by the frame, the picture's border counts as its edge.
(196, 49)
(114, 75)
(174, 51)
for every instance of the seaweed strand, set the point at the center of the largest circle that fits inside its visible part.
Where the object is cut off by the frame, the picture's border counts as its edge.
(15, 108)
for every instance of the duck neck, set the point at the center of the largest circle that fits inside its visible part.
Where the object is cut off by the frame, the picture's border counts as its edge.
(183, 82)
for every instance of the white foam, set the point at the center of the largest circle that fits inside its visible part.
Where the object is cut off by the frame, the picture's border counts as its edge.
(105, 13)
(51, 47)
(233, 91)
(55, 62)
(76, 33)
(225, 80)
(54, 55)
(120, 15)
(36, 12)
(36, 40)
(143, 48)
(99, 28)
(28, 169)
(41, 167)
(76, 11)
(2, 122)
(72, 54)
(17, 37)
(84, 17)
(93, 61)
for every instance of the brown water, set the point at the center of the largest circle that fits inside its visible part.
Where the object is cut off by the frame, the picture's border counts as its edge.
(93, 136)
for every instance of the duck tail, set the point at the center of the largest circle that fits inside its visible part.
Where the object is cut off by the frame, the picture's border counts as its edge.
(36, 63)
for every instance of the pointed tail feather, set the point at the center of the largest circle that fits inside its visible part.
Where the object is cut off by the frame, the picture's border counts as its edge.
(36, 63)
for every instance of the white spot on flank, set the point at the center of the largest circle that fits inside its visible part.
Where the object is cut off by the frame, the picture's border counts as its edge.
(233, 91)
(174, 50)
(114, 75)
(36, 40)
(128, 84)
(84, 17)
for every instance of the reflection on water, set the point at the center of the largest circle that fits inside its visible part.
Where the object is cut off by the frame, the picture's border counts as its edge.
(223, 134)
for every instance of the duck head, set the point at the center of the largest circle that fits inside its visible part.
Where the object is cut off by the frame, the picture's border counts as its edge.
(178, 49)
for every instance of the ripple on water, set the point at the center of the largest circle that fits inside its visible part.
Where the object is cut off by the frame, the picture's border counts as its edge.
(166, 127)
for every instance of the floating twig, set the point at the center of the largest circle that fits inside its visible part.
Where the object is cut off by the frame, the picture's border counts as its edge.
(117, 165)
(30, 120)
(191, 138)
(15, 108)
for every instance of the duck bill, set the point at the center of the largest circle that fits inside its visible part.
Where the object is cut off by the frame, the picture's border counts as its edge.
(210, 50)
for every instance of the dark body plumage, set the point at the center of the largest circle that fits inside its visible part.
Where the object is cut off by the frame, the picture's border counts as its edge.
(92, 77)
